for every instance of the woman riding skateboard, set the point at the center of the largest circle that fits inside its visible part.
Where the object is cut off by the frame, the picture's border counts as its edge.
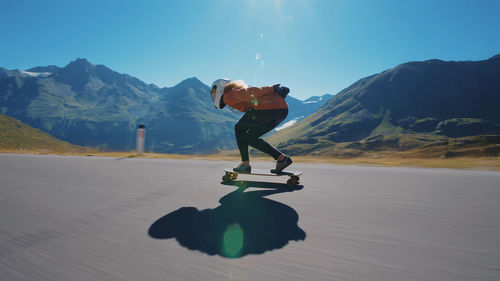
(264, 108)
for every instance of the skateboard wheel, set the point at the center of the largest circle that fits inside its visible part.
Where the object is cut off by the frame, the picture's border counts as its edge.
(293, 181)
(226, 178)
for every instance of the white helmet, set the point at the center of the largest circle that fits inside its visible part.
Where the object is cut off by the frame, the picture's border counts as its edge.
(217, 90)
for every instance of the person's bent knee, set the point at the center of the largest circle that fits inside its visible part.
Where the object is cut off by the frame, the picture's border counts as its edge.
(240, 129)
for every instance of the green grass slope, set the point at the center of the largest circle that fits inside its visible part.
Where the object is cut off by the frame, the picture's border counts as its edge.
(16, 136)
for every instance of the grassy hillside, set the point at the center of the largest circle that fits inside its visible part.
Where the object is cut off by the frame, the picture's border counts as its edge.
(404, 108)
(16, 136)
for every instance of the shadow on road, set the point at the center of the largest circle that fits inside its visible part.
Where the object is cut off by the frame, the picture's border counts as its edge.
(123, 158)
(245, 223)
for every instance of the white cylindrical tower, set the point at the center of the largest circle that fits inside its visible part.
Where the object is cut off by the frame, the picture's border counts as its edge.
(141, 137)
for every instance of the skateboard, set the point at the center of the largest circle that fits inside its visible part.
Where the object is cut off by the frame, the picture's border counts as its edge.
(292, 181)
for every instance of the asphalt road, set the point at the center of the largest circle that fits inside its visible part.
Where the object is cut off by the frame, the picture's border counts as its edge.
(86, 218)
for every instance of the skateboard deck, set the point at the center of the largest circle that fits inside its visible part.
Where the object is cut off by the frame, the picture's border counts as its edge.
(292, 181)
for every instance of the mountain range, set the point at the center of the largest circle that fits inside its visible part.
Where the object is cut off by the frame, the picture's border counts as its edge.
(299, 110)
(94, 106)
(423, 101)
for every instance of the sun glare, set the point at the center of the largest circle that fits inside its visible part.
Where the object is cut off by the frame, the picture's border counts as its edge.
(232, 242)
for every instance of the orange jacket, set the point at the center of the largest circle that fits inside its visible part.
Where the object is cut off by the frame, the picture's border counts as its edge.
(263, 98)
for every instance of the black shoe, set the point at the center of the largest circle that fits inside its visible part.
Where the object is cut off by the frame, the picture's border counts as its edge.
(281, 165)
(242, 168)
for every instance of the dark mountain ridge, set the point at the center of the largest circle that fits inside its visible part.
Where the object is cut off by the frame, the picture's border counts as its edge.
(48, 68)
(92, 105)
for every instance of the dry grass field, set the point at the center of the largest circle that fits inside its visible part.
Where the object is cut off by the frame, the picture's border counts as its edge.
(393, 159)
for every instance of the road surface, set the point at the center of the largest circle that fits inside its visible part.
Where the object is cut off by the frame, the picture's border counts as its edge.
(88, 218)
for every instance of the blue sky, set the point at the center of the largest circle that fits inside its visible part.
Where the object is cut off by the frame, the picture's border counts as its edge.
(314, 47)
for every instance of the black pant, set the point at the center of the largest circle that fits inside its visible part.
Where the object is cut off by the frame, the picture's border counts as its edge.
(253, 125)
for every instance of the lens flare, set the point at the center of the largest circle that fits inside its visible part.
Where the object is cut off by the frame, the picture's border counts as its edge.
(232, 242)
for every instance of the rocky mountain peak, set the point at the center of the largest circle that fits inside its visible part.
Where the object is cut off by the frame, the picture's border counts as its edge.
(77, 73)
(192, 82)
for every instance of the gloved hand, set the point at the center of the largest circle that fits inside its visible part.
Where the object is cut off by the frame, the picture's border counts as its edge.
(280, 90)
